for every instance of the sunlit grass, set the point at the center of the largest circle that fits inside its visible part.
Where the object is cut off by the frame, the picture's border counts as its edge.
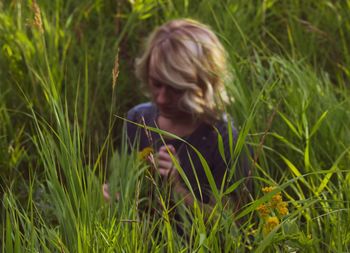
(60, 139)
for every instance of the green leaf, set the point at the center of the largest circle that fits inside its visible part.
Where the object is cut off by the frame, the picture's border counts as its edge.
(221, 145)
(333, 169)
(318, 123)
(234, 186)
(9, 245)
(288, 143)
(290, 125)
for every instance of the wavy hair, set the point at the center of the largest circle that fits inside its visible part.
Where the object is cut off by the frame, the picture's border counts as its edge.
(187, 56)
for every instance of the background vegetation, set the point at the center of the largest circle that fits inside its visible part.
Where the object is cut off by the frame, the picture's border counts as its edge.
(66, 71)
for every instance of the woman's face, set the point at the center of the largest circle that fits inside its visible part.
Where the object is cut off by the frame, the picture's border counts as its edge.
(166, 99)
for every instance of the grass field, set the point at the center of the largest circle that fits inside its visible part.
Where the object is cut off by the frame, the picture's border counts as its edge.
(66, 78)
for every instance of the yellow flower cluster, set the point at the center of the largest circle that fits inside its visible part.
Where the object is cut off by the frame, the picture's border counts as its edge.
(270, 224)
(263, 210)
(269, 210)
(144, 153)
(276, 199)
(282, 208)
(267, 189)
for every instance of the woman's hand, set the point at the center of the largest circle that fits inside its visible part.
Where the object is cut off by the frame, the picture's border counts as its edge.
(168, 171)
(166, 165)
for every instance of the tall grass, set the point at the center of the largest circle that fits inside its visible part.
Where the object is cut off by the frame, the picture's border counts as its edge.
(60, 140)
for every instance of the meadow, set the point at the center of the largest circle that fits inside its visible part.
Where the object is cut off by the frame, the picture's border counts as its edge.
(67, 81)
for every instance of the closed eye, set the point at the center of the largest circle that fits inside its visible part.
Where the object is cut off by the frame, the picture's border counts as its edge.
(158, 85)
(174, 91)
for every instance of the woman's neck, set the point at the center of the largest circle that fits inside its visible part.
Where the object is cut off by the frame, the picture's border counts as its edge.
(180, 127)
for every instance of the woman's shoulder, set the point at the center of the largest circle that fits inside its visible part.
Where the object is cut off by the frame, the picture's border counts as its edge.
(146, 110)
(225, 125)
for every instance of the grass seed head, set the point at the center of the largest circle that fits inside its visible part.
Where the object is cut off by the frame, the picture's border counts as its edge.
(38, 23)
(115, 71)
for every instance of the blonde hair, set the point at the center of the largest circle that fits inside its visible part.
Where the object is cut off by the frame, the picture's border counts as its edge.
(187, 56)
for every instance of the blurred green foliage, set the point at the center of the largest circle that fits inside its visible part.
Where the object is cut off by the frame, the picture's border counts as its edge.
(290, 99)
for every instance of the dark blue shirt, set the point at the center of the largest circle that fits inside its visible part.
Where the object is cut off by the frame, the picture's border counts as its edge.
(204, 139)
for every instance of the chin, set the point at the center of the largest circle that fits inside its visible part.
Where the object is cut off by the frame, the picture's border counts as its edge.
(175, 115)
(168, 115)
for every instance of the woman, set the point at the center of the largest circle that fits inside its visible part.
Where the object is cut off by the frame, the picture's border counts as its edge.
(183, 69)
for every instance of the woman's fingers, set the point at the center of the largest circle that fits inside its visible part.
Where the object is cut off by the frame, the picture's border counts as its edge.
(164, 158)
(163, 152)
(166, 166)
(164, 172)
(166, 148)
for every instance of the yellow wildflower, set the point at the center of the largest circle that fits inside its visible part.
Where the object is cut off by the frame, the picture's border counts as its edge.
(282, 208)
(267, 189)
(271, 223)
(269, 210)
(144, 153)
(276, 199)
(263, 210)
